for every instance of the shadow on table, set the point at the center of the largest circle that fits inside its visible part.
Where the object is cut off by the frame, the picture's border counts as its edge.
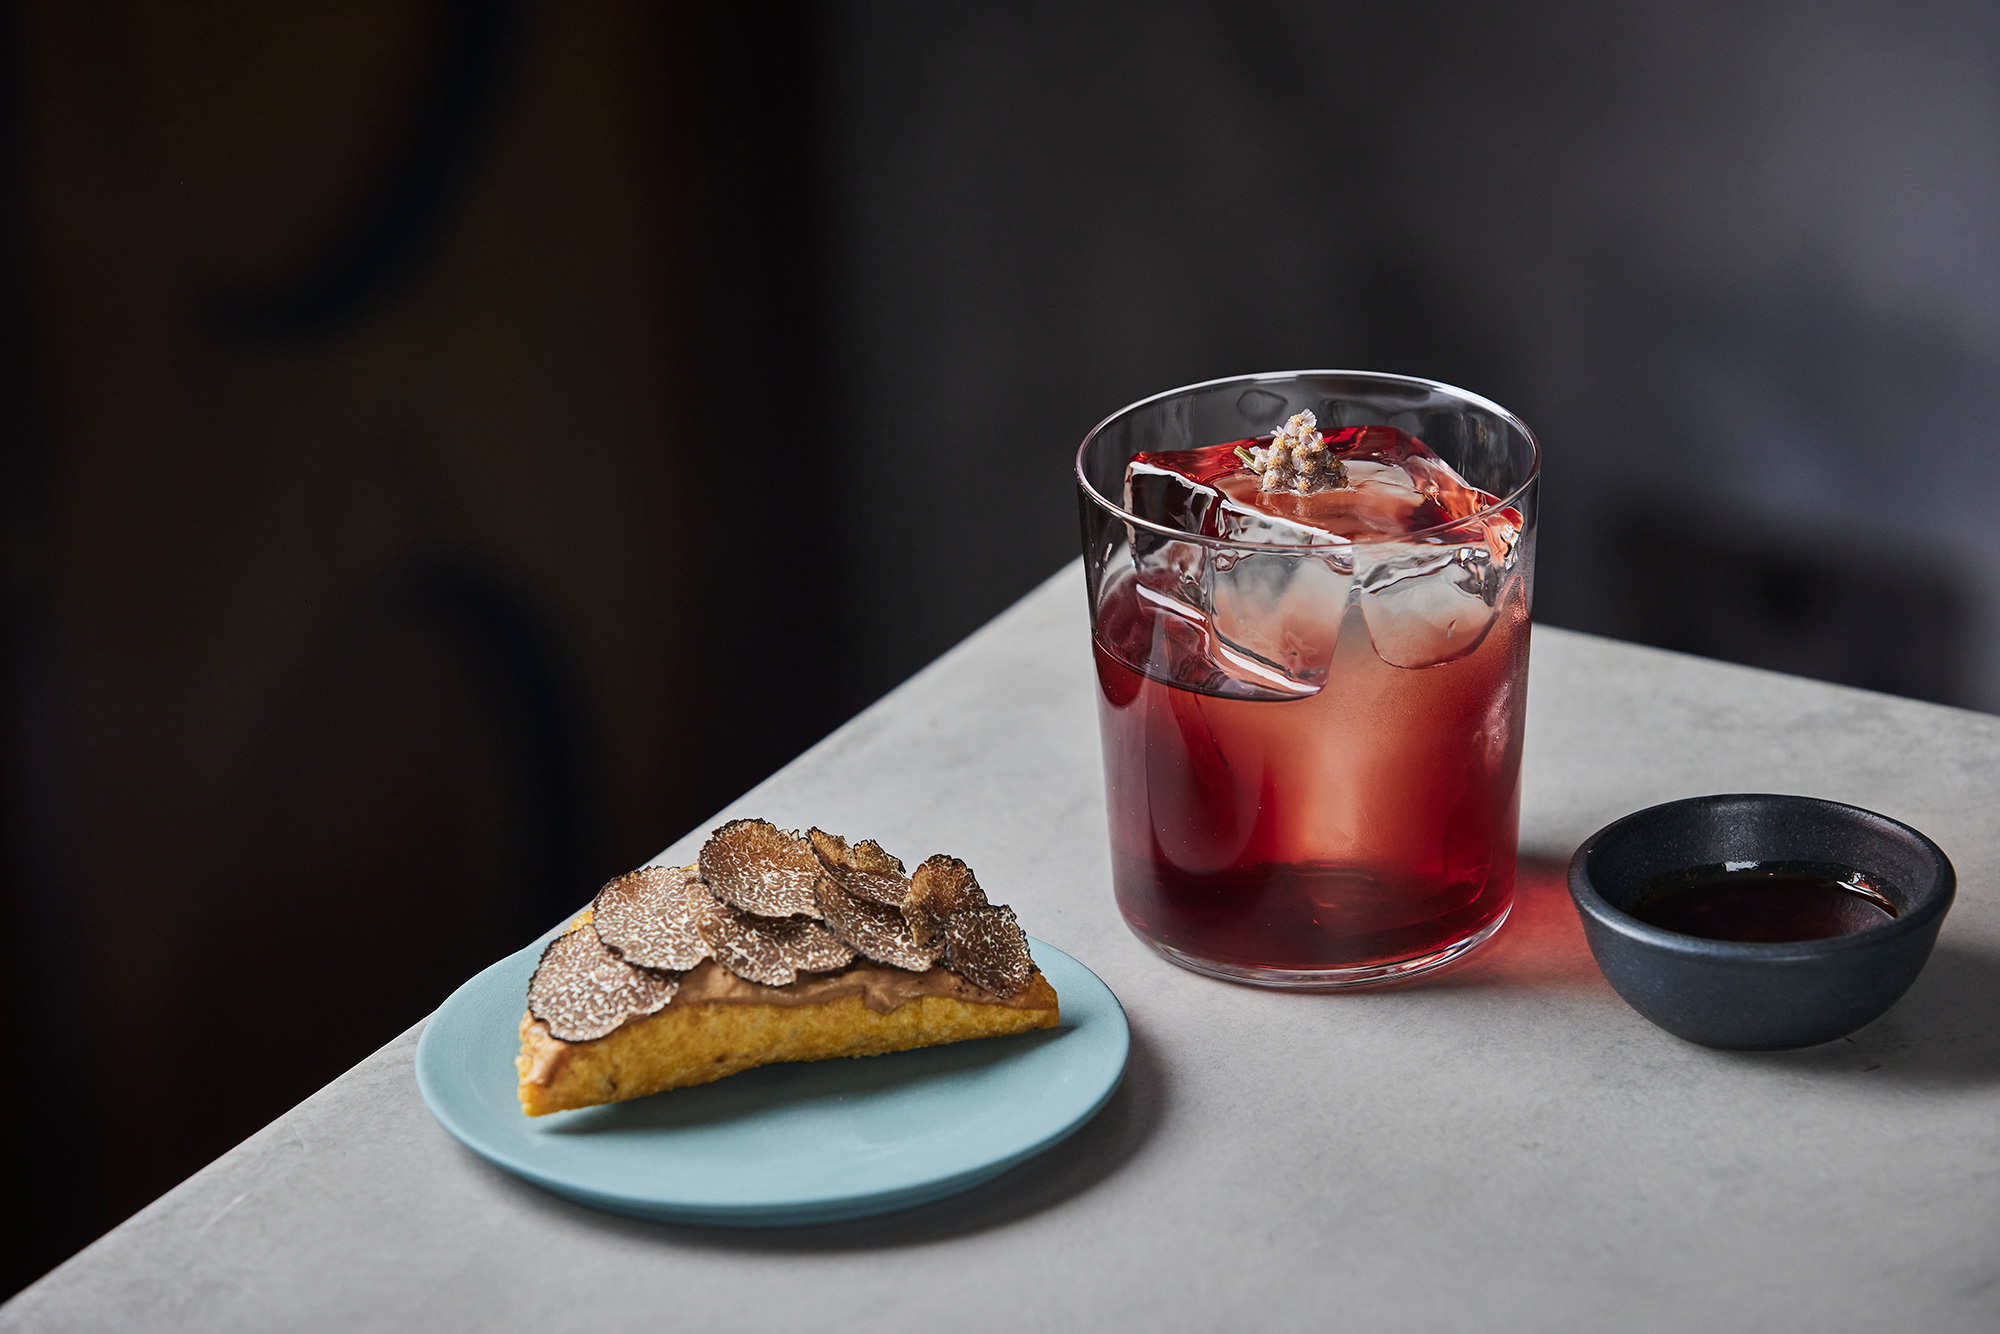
(1540, 947)
(1103, 1146)
(1942, 1034)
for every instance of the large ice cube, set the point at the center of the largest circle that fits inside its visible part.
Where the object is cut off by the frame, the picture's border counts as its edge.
(1282, 608)
(1279, 599)
(1271, 617)
(1432, 602)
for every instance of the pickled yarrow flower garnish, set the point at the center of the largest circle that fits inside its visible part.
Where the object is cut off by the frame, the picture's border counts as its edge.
(770, 906)
(1297, 459)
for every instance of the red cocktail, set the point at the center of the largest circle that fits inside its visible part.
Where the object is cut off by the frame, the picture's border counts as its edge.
(1312, 690)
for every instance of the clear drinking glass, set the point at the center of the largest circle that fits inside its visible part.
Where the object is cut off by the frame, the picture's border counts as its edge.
(1312, 743)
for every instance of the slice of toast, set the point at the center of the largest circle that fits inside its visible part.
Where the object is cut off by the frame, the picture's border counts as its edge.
(609, 1029)
(696, 1042)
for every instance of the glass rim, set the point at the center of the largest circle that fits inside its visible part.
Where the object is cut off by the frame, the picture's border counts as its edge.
(1466, 396)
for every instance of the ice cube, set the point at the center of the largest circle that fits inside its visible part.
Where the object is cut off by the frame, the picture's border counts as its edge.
(1282, 609)
(1425, 601)
(1432, 602)
(1271, 617)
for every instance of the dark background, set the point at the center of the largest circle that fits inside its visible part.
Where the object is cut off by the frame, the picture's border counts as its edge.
(454, 446)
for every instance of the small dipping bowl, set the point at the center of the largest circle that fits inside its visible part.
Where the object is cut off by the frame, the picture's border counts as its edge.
(1754, 996)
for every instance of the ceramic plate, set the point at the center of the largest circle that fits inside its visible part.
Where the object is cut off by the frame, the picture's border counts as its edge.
(783, 1144)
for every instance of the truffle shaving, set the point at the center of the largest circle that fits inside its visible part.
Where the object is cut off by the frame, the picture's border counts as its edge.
(760, 868)
(862, 869)
(939, 888)
(773, 951)
(874, 929)
(987, 948)
(652, 916)
(581, 990)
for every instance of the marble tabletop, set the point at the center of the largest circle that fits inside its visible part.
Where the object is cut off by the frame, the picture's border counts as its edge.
(1506, 1147)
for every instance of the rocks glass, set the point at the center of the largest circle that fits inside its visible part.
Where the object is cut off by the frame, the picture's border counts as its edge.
(1312, 739)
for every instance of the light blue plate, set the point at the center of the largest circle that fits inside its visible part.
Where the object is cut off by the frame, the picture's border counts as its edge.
(784, 1144)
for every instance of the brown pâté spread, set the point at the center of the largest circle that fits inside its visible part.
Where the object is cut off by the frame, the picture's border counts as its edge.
(881, 988)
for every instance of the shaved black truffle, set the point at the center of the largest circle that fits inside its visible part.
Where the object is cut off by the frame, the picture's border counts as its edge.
(760, 868)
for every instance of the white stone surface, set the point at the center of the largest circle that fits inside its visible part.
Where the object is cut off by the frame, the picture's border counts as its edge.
(1509, 1147)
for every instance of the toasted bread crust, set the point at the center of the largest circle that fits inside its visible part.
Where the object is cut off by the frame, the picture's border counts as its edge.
(685, 1045)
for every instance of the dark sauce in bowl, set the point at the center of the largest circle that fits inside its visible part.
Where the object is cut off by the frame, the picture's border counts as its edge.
(1765, 902)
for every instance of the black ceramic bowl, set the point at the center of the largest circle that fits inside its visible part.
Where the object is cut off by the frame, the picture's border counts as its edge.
(1759, 997)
